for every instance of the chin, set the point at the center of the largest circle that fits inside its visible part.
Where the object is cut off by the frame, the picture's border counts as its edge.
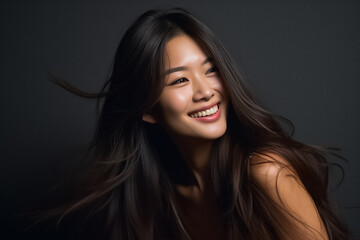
(215, 135)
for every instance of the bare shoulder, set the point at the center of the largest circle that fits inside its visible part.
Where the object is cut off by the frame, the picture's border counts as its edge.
(268, 168)
(280, 182)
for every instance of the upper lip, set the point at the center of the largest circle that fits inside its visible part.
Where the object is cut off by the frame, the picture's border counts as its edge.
(204, 108)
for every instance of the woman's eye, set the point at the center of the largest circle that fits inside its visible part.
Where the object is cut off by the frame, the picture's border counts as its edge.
(180, 80)
(211, 70)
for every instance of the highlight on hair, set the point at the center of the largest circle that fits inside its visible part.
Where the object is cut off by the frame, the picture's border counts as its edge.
(134, 164)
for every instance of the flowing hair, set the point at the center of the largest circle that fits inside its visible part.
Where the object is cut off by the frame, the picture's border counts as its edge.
(134, 164)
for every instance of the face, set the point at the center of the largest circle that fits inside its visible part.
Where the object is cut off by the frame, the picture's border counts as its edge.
(193, 103)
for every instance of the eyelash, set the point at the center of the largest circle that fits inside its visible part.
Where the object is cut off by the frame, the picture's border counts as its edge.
(181, 80)
(211, 70)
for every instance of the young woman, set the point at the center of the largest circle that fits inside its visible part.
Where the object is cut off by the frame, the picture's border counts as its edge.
(182, 149)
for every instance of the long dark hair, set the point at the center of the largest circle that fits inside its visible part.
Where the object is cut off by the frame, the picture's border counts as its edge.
(134, 164)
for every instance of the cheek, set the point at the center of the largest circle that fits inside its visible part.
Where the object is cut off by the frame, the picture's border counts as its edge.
(218, 86)
(175, 103)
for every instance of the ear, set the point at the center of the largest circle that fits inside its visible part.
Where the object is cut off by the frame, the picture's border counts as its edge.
(149, 118)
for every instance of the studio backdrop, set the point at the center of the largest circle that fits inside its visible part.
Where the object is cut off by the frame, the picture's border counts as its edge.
(302, 58)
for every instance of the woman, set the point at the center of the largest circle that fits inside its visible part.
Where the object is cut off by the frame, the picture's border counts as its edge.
(184, 151)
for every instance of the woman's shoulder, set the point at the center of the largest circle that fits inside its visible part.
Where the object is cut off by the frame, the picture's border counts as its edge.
(270, 165)
(279, 180)
(277, 177)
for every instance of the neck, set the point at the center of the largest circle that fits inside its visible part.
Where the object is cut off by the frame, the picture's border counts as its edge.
(196, 153)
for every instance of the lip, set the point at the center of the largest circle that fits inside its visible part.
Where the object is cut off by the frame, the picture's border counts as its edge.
(204, 108)
(211, 118)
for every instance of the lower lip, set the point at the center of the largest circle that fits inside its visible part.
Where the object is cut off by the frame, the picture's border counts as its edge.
(210, 118)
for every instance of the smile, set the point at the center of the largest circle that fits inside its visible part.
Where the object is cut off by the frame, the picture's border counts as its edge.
(204, 113)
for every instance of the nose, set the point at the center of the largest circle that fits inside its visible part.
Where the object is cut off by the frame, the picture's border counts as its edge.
(202, 89)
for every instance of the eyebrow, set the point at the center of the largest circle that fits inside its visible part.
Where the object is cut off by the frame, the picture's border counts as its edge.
(183, 68)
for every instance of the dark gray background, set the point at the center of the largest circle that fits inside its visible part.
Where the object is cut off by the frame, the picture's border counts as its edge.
(301, 57)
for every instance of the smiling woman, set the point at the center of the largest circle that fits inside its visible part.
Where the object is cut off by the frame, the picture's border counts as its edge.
(193, 87)
(183, 150)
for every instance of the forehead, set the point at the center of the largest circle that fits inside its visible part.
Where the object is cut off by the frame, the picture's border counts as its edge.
(182, 50)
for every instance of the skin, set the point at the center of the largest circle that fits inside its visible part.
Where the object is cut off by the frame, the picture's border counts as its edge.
(275, 175)
(193, 83)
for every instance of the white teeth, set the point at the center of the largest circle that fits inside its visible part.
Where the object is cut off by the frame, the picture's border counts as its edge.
(207, 112)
